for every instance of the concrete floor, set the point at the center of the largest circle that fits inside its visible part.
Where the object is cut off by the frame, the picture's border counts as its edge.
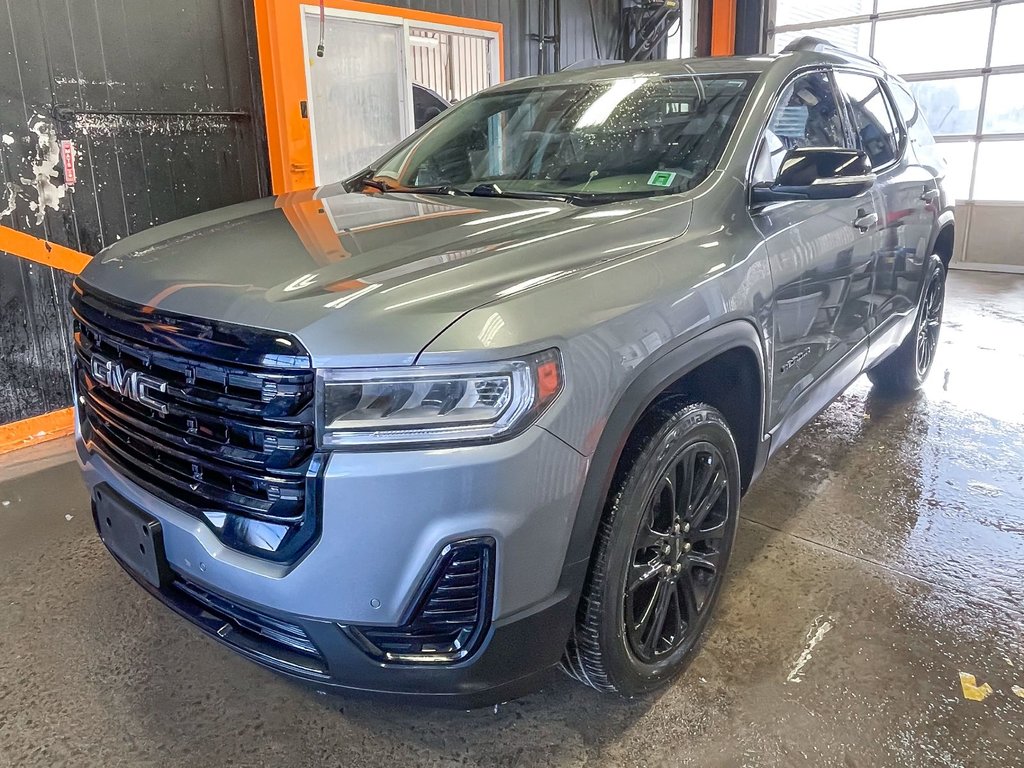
(880, 556)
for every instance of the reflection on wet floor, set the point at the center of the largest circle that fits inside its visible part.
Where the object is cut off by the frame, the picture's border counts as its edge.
(874, 615)
(932, 486)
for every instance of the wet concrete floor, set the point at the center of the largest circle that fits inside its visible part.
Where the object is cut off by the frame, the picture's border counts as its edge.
(880, 556)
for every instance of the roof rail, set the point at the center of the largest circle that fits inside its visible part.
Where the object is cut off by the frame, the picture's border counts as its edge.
(820, 45)
(588, 63)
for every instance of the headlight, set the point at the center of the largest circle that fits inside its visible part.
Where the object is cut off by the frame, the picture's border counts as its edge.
(435, 404)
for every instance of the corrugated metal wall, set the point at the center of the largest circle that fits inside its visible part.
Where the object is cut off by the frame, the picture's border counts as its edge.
(162, 102)
(522, 20)
(454, 65)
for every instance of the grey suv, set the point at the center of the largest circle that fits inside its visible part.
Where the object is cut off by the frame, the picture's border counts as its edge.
(490, 405)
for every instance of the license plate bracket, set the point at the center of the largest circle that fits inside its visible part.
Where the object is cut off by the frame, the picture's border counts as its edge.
(132, 535)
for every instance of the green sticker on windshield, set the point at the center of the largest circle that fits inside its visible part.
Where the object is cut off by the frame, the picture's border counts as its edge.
(661, 179)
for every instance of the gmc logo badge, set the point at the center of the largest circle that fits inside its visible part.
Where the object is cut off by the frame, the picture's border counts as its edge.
(135, 385)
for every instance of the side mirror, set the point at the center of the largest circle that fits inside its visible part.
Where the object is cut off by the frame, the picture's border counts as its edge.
(817, 173)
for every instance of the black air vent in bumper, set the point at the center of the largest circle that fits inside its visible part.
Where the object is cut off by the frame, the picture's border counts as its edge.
(451, 616)
(271, 641)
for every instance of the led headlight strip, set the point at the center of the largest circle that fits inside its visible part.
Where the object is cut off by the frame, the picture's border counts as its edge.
(435, 404)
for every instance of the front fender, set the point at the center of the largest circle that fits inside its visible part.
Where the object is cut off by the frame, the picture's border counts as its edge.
(656, 376)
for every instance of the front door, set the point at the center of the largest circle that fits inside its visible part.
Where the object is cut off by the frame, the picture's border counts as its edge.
(820, 252)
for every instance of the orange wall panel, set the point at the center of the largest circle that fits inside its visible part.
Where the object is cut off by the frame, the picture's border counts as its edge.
(723, 28)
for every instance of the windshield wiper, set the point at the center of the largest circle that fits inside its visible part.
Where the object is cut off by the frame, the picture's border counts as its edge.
(493, 190)
(436, 189)
(368, 180)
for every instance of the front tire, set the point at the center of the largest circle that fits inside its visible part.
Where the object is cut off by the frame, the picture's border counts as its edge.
(905, 370)
(662, 550)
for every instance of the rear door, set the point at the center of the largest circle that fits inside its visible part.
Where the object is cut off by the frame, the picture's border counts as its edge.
(820, 252)
(906, 194)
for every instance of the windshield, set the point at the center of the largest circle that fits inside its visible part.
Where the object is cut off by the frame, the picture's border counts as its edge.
(610, 139)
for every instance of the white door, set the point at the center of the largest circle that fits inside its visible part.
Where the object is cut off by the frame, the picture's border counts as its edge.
(358, 92)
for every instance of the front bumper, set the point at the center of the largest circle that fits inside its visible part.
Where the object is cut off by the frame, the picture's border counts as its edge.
(385, 519)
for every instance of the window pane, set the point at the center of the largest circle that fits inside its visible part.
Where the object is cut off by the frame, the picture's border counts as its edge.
(921, 138)
(884, 6)
(949, 106)
(803, 12)
(806, 116)
(872, 118)
(1004, 104)
(959, 156)
(356, 104)
(997, 178)
(909, 45)
(851, 37)
(1007, 48)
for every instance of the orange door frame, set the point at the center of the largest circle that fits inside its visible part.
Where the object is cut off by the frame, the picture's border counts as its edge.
(283, 72)
(723, 28)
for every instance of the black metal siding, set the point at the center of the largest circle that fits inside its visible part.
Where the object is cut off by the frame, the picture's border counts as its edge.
(162, 102)
(34, 360)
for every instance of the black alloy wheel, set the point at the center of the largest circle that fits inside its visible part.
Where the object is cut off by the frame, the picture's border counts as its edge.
(661, 553)
(929, 325)
(905, 369)
(677, 553)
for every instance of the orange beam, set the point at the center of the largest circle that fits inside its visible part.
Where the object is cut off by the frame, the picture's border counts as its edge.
(723, 27)
(42, 251)
(283, 72)
(49, 426)
(38, 429)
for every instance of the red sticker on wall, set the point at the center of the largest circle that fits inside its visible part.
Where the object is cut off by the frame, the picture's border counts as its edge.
(67, 153)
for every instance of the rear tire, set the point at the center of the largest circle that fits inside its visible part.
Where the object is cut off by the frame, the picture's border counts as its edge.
(661, 553)
(906, 368)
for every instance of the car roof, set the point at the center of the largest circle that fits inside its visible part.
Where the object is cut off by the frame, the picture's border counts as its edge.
(806, 51)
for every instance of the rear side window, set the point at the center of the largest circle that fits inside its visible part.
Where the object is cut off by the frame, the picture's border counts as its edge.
(922, 141)
(913, 117)
(872, 116)
(807, 115)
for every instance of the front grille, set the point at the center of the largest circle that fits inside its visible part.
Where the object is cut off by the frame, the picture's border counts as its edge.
(451, 616)
(225, 431)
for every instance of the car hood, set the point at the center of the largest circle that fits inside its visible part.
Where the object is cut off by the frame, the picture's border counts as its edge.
(370, 279)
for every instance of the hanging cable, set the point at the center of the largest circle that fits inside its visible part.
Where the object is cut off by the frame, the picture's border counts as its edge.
(320, 47)
(593, 26)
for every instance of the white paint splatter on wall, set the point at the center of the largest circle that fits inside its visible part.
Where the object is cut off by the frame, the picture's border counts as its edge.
(150, 125)
(12, 198)
(45, 169)
(8, 139)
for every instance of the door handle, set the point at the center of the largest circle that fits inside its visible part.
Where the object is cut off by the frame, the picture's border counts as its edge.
(930, 195)
(865, 220)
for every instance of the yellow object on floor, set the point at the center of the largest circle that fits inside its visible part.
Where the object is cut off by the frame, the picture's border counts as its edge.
(972, 690)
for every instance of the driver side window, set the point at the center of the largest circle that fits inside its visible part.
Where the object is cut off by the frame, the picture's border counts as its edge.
(807, 115)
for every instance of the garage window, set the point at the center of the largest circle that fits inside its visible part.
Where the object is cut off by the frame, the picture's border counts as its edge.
(963, 62)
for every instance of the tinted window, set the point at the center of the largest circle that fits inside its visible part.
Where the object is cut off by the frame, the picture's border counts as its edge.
(807, 115)
(872, 117)
(426, 104)
(641, 135)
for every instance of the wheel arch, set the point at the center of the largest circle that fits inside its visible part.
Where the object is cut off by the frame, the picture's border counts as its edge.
(689, 363)
(945, 238)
